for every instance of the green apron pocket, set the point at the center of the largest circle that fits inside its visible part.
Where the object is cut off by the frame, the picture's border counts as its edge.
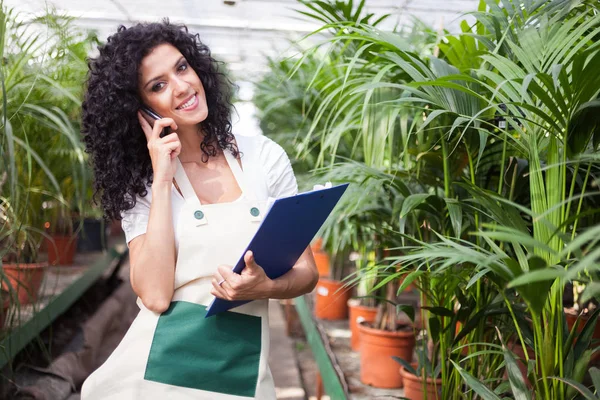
(218, 354)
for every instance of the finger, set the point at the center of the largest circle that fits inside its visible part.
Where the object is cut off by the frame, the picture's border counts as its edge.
(218, 291)
(226, 272)
(146, 128)
(171, 137)
(173, 147)
(249, 260)
(218, 277)
(233, 281)
(160, 124)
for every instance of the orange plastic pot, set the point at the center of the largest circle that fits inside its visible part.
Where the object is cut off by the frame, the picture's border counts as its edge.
(415, 387)
(25, 279)
(61, 249)
(322, 259)
(358, 314)
(322, 262)
(331, 300)
(377, 367)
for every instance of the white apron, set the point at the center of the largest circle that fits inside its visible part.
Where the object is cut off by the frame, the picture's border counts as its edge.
(179, 354)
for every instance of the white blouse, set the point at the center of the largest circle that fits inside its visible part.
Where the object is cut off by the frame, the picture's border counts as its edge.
(265, 164)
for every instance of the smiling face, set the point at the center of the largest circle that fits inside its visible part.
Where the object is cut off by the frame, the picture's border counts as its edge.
(171, 87)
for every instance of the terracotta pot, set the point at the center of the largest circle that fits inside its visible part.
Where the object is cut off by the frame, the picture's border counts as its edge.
(4, 311)
(115, 228)
(415, 387)
(61, 249)
(519, 354)
(331, 300)
(25, 279)
(358, 314)
(571, 317)
(377, 367)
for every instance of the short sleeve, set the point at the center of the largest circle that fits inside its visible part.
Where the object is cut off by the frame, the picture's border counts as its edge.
(281, 180)
(135, 220)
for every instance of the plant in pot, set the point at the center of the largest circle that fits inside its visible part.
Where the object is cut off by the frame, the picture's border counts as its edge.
(61, 241)
(533, 250)
(362, 308)
(33, 121)
(22, 273)
(421, 379)
(331, 293)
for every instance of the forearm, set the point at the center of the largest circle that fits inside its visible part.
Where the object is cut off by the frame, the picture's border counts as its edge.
(153, 269)
(299, 280)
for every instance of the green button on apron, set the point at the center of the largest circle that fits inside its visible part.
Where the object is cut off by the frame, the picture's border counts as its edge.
(255, 212)
(199, 214)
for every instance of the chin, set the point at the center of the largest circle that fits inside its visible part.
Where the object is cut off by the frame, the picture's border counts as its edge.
(198, 117)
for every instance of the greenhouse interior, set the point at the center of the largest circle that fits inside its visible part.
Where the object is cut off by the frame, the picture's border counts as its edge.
(300, 199)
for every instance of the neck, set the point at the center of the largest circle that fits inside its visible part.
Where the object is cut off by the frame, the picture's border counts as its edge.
(190, 137)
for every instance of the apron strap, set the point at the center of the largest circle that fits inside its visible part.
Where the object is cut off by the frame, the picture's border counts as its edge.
(240, 176)
(184, 184)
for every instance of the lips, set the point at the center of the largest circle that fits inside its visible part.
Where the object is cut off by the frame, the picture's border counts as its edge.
(187, 103)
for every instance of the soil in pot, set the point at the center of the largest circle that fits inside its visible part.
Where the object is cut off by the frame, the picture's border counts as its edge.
(358, 314)
(61, 249)
(25, 279)
(331, 300)
(415, 387)
(377, 367)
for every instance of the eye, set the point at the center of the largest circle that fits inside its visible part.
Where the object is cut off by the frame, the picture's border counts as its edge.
(183, 66)
(158, 86)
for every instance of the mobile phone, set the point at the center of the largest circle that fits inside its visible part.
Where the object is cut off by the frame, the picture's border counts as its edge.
(154, 116)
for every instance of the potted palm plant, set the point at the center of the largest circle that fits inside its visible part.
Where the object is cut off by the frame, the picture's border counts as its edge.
(41, 105)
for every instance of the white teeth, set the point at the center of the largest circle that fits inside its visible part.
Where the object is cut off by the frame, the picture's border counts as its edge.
(188, 103)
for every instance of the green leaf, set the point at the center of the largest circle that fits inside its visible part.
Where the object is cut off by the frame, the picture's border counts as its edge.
(455, 212)
(441, 311)
(413, 201)
(585, 392)
(541, 275)
(515, 377)
(476, 385)
(595, 375)
(405, 364)
(592, 290)
(407, 309)
(434, 329)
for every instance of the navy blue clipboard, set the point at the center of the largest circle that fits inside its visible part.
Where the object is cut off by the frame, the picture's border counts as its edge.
(284, 234)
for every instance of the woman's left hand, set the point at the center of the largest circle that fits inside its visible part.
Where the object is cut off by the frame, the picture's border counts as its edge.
(251, 284)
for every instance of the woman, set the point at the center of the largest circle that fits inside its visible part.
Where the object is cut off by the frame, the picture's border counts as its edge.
(190, 203)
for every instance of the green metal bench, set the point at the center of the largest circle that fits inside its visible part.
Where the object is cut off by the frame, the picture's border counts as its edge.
(331, 376)
(24, 334)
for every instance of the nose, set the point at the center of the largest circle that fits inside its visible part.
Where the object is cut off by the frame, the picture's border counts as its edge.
(180, 86)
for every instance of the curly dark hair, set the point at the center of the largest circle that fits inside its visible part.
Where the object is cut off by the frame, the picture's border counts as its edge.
(111, 131)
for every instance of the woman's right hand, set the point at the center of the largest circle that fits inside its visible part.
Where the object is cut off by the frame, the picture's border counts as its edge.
(163, 151)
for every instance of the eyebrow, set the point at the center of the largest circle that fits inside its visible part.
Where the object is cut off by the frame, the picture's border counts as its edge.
(160, 76)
